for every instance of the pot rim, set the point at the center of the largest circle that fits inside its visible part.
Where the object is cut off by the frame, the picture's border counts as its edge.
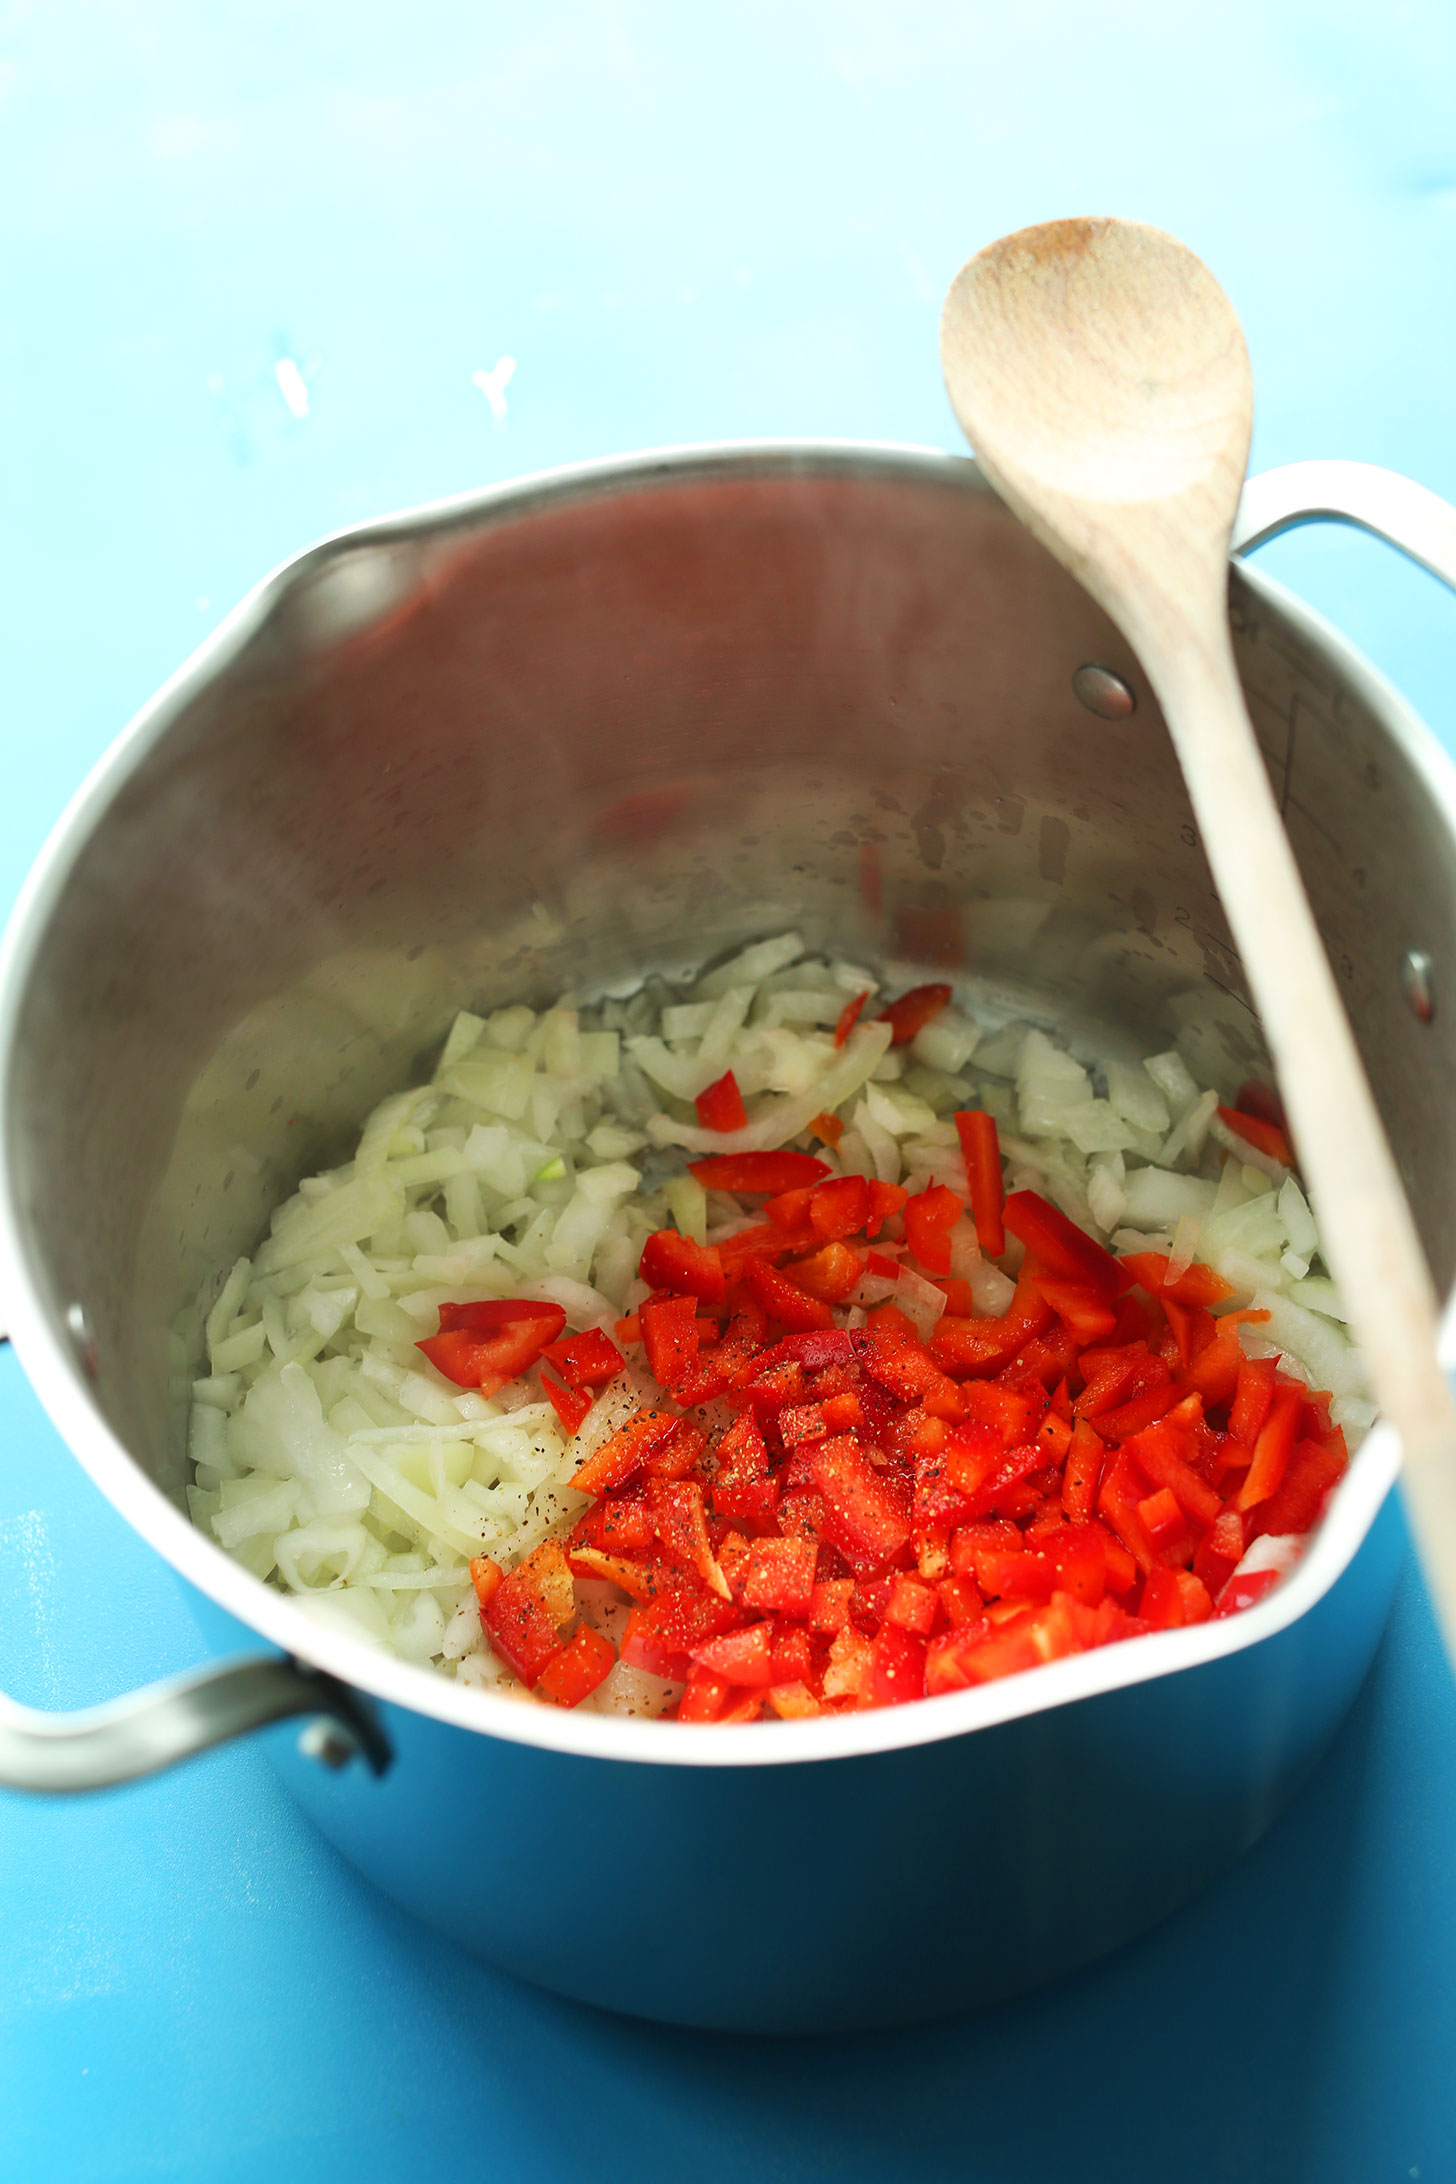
(52, 1364)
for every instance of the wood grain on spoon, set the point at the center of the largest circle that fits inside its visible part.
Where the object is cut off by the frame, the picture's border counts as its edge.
(1100, 375)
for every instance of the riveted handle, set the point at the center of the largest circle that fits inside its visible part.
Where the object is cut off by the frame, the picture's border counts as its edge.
(158, 1727)
(1407, 516)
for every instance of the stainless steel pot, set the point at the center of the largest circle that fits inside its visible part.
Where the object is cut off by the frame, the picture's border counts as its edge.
(619, 719)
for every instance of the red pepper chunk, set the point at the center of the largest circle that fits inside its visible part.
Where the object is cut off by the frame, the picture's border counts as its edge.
(670, 1337)
(484, 1345)
(771, 1172)
(1061, 1248)
(865, 1519)
(570, 1404)
(574, 1673)
(913, 1011)
(1274, 1446)
(721, 1106)
(839, 1208)
(670, 1261)
(929, 1218)
(520, 1625)
(982, 1150)
(784, 1301)
(780, 1579)
(1265, 1137)
(588, 1360)
(617, 1458)
(849, 1016)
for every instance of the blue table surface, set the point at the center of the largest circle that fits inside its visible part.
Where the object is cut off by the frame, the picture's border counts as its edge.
(254, 258)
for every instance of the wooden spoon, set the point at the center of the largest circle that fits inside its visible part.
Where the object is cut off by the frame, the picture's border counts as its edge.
(1100, 374)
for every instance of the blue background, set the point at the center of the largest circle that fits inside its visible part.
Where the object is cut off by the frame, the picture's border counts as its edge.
(683, 223)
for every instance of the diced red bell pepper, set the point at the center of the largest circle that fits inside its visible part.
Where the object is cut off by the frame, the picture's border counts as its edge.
(574, 1673)
(929, 1218)
(1011, 1573)
(1214, 1372)
(485, 1576)
(950, 1655)
(784, 1301)
(840, 1207)
(617, 1458)
(1061, 1248)
(1197, 1284)
(912, 1605)
(1162, 1453)
(830, 1609)
(828, 1127)
(896, 1359)
(520, 1625)
(1274, 1446)
(570, 1404)
(1243, 1591)
(1085, 1311)
(738, 1656)
(670, 1336)
(960, 1601)
(1078, 1554)
(1083, 1471)
(864, 1518)
(770, 1172)
(913, 1011)
(704, 1698)
(886, 1200)
(671, 1261)
(967, 1348)
(1266, 1137)
(897, 1666)
(485, 1345)
(1220, 1551)
(1313, 1470)
(1029, 1638)
(742, 1488)
(677, 1453)
(628, 1329)
(780, 1577)
(982, 1150)
(849, 1016)
(619, 1526)
(793, 1701)
(638, 1580)
(829, 1275)
(1172, 1599)
(1142, 1411)
(720, 1106)
(1252, 1398)
(1117, 1502)
(790, 1209)
(791, 1654)
(661, 1634)
(677, 1511)
(1164, 1522)
(587, 1360)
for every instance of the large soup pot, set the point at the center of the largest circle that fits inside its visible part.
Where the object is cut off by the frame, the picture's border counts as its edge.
(617, 720)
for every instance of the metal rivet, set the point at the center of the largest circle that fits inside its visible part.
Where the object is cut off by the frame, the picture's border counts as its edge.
(80, 1334)
(326, 1742)
(1104, 692)
(1416, 975)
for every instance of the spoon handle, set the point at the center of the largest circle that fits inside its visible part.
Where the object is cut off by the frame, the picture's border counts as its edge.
(1364, 1216)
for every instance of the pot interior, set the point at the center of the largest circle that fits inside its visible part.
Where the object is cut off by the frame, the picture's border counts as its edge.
(618, 723)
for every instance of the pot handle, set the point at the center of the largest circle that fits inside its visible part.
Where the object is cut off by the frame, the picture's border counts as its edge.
(166, 1722)
(1408, 516)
